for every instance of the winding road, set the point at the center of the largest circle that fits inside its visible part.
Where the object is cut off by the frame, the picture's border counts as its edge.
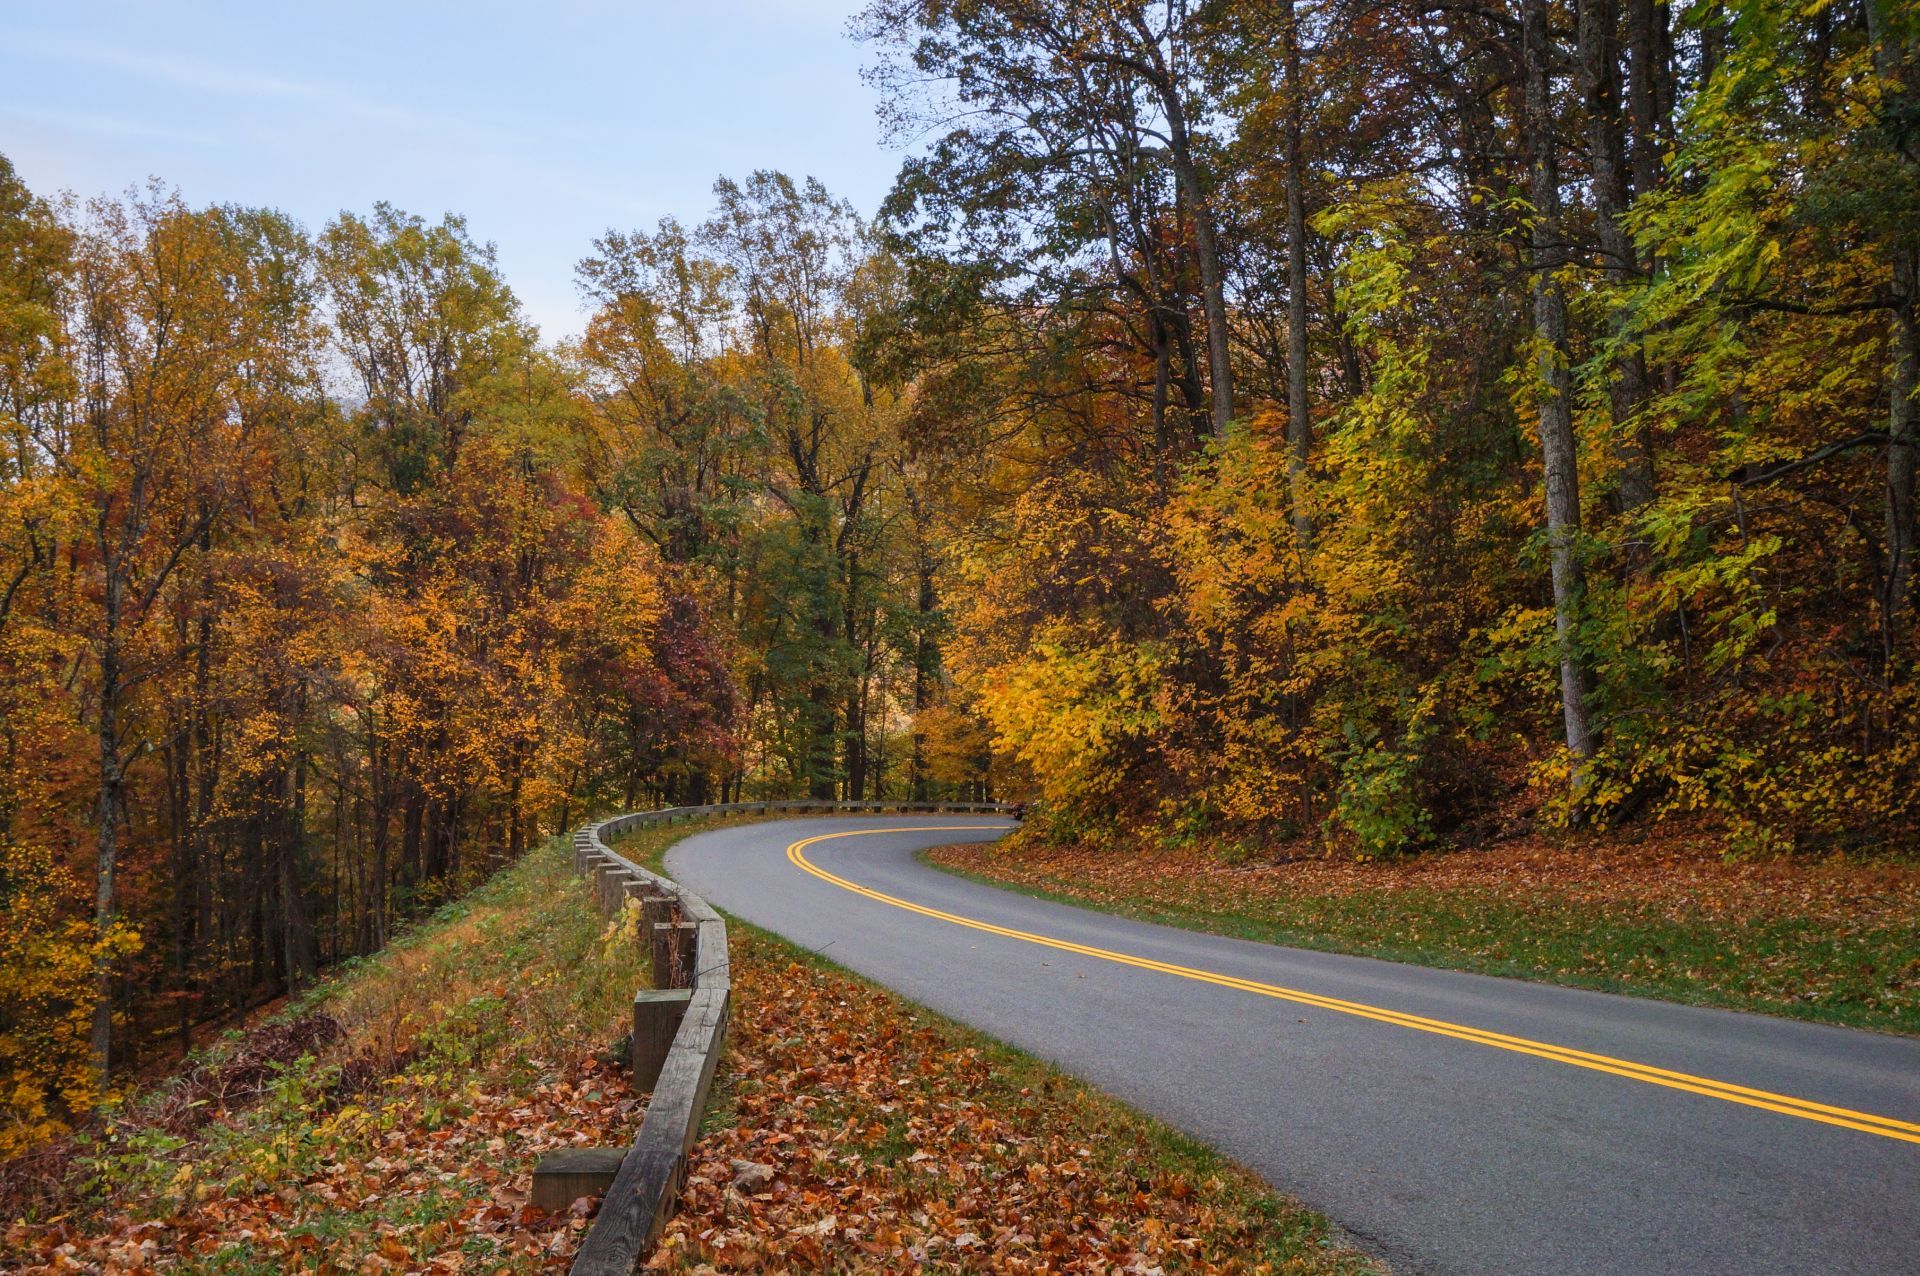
(1451, 1123)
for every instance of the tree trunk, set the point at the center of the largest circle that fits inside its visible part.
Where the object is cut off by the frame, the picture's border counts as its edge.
(1904, 356)
(289, 890)
(1213, 295)
(516, 819)
(1557, 447)
(1643, 93)
(382, 821)
(856, 742)
(1180, 325)
(107, 815)
(822, 719)
(925, 656)
(1600, 87)
(202, 759)
(1162, 373)
(179, 897)
(1894, 60)
(412, 835)
(1299, 424)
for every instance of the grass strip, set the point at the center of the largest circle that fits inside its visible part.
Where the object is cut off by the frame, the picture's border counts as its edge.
(1799, 953)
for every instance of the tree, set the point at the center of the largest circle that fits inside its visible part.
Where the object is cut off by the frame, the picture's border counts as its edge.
(1070, 148)
(1559, 453)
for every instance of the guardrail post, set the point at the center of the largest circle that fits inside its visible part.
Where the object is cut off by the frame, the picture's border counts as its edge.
(657, 1013)
(607, 887)
(656, 908)
(635, 891)
(686, 953)
(566, 1174)
(672, 964)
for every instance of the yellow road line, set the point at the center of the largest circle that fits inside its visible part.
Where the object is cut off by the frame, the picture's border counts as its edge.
(1806, 1109)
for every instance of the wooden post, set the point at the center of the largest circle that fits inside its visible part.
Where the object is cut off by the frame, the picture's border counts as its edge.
(565, 1175)
(687, 953)
(607, 891)
(639, 892)
(672, 964)
(656, 909)
(657, 1013)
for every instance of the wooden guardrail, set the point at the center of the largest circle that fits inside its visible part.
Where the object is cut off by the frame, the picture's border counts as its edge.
(680, 1024)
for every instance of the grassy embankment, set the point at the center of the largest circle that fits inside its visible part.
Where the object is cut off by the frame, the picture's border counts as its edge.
(389, 1121)
(1834, 939)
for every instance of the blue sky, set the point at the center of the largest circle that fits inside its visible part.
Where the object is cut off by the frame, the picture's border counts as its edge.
(544, 122)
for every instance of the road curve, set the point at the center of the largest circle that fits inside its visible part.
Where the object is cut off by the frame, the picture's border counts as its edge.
(1720, 1143)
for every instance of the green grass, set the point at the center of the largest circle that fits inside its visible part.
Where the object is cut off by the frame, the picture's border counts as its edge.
(648, 844)
(1798, 967)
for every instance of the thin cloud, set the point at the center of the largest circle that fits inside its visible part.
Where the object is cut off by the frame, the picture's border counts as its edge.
(213, 80)
(110, 125)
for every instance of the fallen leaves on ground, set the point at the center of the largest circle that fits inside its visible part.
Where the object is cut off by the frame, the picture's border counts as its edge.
(392, 1129)
(1684, 872)
(417, 1183)
(1834, 938)
(861, 1134)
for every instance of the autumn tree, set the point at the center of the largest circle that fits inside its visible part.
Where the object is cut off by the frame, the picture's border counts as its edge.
(748, 428)
(1536, 313)
(308, 620)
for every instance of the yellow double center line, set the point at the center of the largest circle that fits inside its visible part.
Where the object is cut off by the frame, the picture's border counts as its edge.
(1806, 1109)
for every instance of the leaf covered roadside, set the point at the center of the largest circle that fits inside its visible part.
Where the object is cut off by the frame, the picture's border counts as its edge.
(858, 1132)
(390, 1122)
(1834, 939)
(397, 1134)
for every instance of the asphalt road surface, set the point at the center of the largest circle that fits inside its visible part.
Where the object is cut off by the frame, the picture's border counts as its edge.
(1450, 1122)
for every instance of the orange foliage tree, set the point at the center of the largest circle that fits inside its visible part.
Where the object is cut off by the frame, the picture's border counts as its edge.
(308, 619)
